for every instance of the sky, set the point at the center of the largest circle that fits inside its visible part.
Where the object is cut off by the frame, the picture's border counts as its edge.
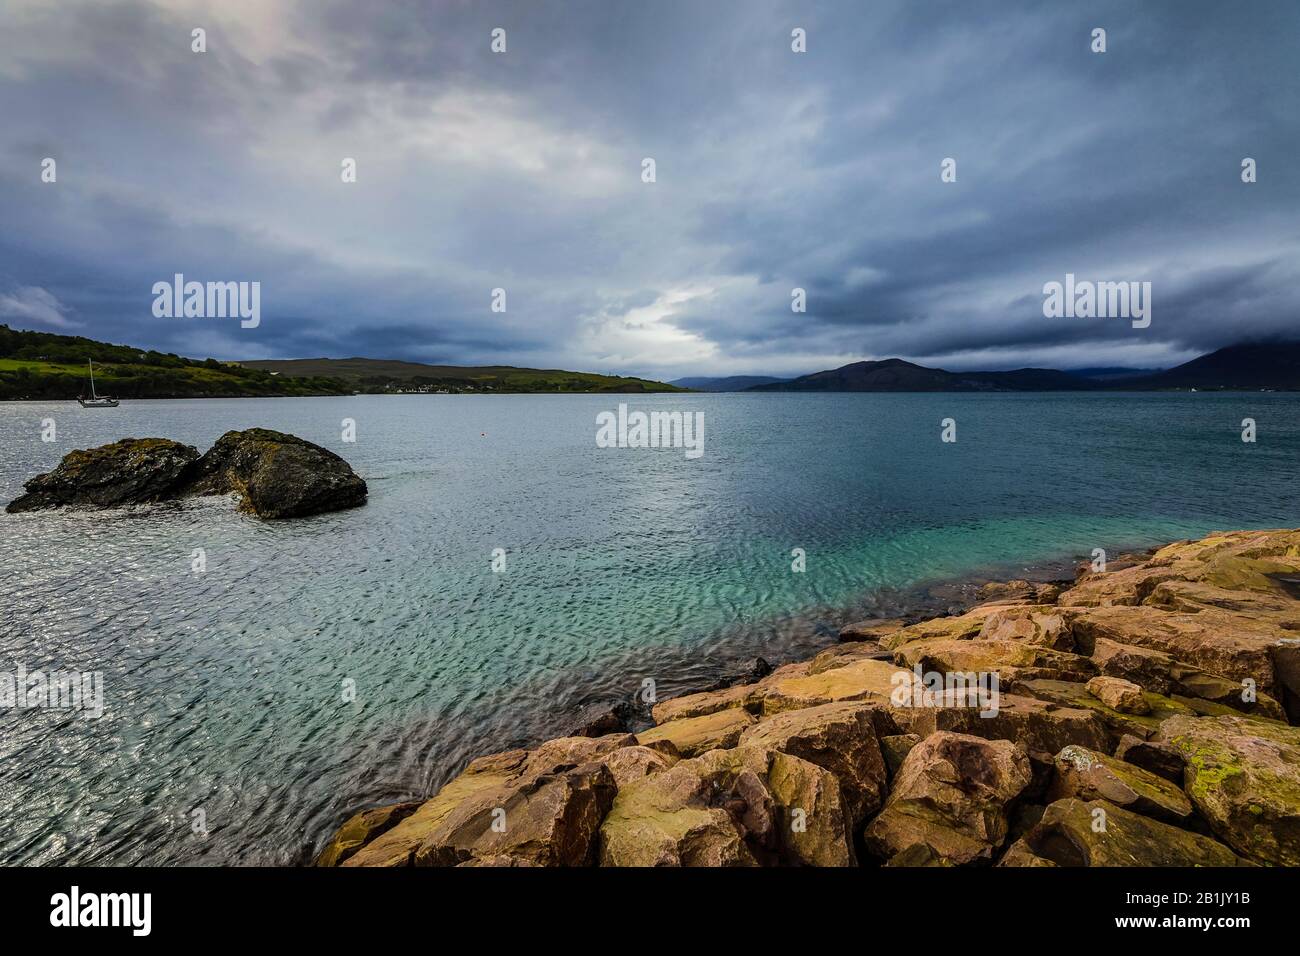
(774, 170)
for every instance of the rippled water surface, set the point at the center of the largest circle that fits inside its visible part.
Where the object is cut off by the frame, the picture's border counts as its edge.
(223, 689)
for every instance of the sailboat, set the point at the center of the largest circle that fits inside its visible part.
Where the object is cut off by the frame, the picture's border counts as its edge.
(96, 400)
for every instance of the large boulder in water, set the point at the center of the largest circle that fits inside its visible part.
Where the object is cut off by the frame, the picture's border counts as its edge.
(277, 475)
(127, 472)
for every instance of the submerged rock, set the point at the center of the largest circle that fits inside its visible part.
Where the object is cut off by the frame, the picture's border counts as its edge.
(871, 630)
(277, 475)
(127, 472)
(600, 718)
(746, 672)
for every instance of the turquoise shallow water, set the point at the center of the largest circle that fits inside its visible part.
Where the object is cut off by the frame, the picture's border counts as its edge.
(224, 688)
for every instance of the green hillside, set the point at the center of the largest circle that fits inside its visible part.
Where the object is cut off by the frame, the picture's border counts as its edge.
(42, 365)
(387, 375)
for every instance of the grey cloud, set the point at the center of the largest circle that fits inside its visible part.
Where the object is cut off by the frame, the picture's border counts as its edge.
(775, 170)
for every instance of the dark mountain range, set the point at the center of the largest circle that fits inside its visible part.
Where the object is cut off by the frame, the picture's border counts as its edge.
(392, 375)
(1111, 374)
(1274, 365)
(895, 375)
(731, 383)
(1237, 367)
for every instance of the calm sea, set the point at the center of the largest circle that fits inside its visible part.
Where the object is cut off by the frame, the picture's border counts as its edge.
(224, 688)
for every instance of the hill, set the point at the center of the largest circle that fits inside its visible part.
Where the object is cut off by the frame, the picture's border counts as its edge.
(1112, 373)
(730, 383)
(43, 365)
(1274, 365)
(1251, 367)
(896, 375)
(389, 375)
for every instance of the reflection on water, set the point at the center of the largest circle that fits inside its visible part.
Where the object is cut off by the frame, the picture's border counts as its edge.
(224, 689)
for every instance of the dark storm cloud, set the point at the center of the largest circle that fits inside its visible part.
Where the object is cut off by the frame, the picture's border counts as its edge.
(775, 170)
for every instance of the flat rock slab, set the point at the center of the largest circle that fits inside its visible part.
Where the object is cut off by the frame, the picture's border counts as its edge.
(1090, 775)
(1098, 833)
(1040, 727)
(552, 819)
(860, 680)
(695, 735)
(1012, 659)
(1213, 640)
(1074, 694)
(1243, 776)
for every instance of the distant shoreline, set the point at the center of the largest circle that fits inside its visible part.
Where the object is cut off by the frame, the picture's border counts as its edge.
(1109, 392)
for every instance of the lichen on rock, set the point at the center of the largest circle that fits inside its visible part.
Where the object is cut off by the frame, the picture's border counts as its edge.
(128, 472)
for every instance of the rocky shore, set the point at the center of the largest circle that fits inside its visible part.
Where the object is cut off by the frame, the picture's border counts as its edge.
(274, 475)
(1140, 716)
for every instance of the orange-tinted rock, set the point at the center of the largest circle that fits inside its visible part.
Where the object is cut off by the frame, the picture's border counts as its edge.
(951, 795)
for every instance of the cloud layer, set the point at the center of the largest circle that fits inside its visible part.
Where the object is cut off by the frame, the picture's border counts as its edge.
(774, 170)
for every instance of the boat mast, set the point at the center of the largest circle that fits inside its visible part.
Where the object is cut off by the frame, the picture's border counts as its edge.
(92, 378)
